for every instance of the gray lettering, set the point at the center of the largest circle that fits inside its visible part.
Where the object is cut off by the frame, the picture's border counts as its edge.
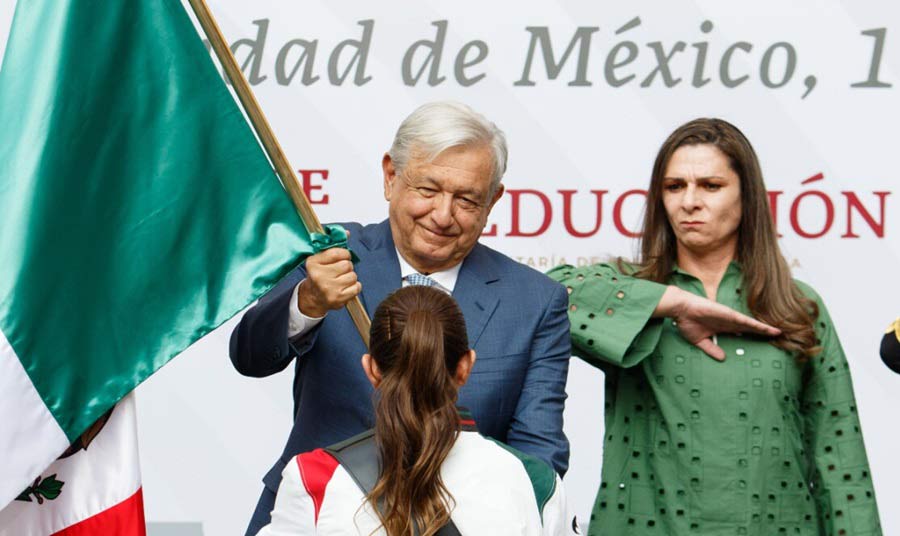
(307, 56)
(256, 51)
(765, 73)
(462, 63)
(541, 34)
(699, 79)
(662, 64)
(359, 57)
(609, 68)
(872, 81)
(433, 59)
(724, 65)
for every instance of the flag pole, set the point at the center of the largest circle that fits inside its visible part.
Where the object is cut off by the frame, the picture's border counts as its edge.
(270, 143)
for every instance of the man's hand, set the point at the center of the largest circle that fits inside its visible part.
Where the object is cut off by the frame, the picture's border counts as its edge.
(330, 283)
(699, 320)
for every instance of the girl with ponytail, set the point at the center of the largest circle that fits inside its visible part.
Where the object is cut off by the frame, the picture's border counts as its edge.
(423, 470)
(419, 358)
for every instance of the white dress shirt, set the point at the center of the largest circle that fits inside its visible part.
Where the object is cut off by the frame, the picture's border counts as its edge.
(300, 324)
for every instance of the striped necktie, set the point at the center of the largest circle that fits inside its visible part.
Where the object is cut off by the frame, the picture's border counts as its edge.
(419, 279)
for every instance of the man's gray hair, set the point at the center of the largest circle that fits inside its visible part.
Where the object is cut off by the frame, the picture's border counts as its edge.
(437, 126)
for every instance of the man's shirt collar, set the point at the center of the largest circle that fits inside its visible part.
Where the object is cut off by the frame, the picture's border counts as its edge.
(446, 279)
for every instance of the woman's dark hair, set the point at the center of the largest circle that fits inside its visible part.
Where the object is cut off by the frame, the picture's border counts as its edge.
(772, 296)
(417, 338)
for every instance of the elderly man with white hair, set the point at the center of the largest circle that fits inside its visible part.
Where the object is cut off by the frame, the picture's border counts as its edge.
(441, 178)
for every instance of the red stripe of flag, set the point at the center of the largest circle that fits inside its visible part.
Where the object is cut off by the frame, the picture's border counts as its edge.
(123, 519)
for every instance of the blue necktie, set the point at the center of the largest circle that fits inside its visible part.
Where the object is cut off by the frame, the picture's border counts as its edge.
(419, 279)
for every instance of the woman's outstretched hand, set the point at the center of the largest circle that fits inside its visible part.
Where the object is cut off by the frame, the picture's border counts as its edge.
(699, 320)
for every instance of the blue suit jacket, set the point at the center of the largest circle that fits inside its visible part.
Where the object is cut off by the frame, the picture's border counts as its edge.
(516, 321)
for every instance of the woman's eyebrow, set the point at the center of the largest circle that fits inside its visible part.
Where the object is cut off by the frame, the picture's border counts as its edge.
(706, 178)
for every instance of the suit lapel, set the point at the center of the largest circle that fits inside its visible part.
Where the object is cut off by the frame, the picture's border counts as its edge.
(379, 270)
(473, 291)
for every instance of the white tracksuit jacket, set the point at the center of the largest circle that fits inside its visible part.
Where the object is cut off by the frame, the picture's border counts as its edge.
(497, 491)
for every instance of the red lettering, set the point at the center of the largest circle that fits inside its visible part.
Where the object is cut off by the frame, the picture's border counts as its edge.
(829, 214)
(306, 178)
(773, 208)
(853, 202)
(491, 231)
(567, 213)
(516, 196)
(814, 178)
(617, 213)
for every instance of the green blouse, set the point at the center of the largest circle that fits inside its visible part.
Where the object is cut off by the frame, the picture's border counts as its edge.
(757, 445)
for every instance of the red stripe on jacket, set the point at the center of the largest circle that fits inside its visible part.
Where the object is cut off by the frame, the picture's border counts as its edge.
(316, 469)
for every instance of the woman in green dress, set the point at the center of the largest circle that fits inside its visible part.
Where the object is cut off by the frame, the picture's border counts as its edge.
(764, 438)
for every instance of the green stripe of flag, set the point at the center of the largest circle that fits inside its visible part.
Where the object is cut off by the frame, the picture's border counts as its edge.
(137, 210)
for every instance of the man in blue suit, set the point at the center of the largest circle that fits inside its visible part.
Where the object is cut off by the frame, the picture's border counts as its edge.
(441, 179)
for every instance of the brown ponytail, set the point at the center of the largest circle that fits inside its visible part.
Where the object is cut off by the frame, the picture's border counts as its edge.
(418, 336)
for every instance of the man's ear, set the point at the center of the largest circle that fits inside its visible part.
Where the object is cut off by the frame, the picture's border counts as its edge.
(390, 174)
(464, 368)
(497, 195)
(370, 367)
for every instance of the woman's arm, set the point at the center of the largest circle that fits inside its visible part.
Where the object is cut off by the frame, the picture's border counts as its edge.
(699, 320)
(610, 314)
(616, 318)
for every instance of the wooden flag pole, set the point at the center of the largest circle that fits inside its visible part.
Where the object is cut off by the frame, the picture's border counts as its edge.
(270, 143)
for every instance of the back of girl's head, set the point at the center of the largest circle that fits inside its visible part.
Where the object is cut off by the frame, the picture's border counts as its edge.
(415, 331)
(417, 339)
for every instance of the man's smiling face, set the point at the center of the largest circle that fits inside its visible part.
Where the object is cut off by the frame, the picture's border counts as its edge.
(438, 208)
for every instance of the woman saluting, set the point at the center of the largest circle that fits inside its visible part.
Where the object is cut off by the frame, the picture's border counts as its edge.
(762, 440)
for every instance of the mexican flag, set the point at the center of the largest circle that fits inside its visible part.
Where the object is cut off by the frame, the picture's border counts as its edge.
(93, 489)
(137, 214)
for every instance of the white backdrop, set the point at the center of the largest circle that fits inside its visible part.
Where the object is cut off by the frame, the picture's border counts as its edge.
(207, 435)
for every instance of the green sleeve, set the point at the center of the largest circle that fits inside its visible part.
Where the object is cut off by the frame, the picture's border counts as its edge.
(841, 482)
(610, 314)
